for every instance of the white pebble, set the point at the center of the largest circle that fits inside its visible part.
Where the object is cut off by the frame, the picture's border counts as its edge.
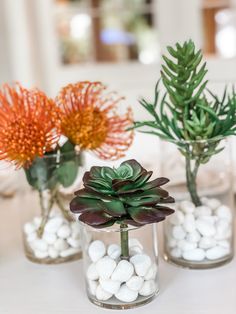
(69, 252)
(126, 295)
(195, 255)
(52, 252)
(189, 223)
(92, 285)
(184, 245)
(105, 267)
(176, 252)
(75, 243)
(64, 231)
(41, 254)
(31, 237)
(141, 263)
(75, 227)
(177, 218)
(172, 243)
(178, 233)
(213, 203)
(210, 219)
(224, 212)
(29, 228)
(60, 245)
(96, 250)
(202, 211)
(111, 286)
(37, 221)
(193, 236)
(135, 242)
(207, 242)
(53, 224)
(151, 273)
(223, 229)
(205, 228)
(216, 252)
(50, 238)
(135, 250)
(92, 273)
(101, 294)
(187, 207)
(135, 283)
(149, 287)
(224, 243)
(114, 251)
(123, 271)
(40, 244)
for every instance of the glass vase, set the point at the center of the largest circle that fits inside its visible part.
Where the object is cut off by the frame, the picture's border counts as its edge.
(53, 236)
(200, 233)
(120, 265)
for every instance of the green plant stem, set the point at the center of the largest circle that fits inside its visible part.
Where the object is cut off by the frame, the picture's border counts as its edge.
(61, 207)
(191, 176)
(124, 239)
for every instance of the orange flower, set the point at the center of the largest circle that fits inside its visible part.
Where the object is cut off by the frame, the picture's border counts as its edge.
(29, 125)
(89, 119)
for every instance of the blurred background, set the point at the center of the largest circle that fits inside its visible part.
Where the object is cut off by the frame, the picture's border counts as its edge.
(49, 43)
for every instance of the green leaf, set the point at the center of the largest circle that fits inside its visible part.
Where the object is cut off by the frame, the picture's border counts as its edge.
(67, 173)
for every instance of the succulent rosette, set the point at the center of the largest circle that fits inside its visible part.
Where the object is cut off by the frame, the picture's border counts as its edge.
(122, 195)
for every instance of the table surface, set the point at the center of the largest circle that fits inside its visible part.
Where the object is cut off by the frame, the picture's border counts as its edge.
(27, 288)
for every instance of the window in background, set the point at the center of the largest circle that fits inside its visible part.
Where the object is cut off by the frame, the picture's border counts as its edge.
(106, 31)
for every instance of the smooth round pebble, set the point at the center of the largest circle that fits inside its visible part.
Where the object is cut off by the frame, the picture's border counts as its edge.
(172, 243)
(75, 243)
(64, 232)
(114, 251)
(53, 224)
(96, 250)
(151, 273)
(68, 252)
(205, 228)
(111, 286)
(92, 285)
(177, 218)
(224, 212)
(75, 228)
(135, 250)
(223, 229)
(202, 211)
(224, 243)
(37, 221)
(213, 203)
(189, 223)
(40, 254)
(123, 272)
(148, 288)
(187, 207)
(141, 263)
(105, 267)
(184, 245)
(126, 295)
(40, 244)
(176, 252)
(178, 232)
(102, 294)
(31, 237)
(195, 255)
(29, 228)
(61, 245)
(207, 242)
(193, 236)
(216, 252)
(50, 238)
(135, 283)
(92, 273)
(52, 252)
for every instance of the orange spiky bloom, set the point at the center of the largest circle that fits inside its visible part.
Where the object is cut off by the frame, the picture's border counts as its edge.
(29, 125)
(89, 119)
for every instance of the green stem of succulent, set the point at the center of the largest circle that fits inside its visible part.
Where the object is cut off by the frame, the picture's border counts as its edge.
(191, 176)
(124, 239)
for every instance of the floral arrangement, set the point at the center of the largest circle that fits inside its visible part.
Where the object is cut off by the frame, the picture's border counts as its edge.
(31, 126)
(122, 196)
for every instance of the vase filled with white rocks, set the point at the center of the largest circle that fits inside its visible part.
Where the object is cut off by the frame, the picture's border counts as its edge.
(118, 210)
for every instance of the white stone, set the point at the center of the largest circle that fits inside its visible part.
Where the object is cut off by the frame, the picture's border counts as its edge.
(185, 245)
(135, 250)
(105, 267)
(205, 228)
(75, 227)
(187, 207)
(213, 203)
(64, 231)
(195, 255)
(96, 250)
(52, 252)
(135, 283)
(92, 273)
(193, 236)
(224, 212)
(102, 294)
(40, 254)
(68, 252)
(149, 287)
(50, 238)
(37, 221)
(40, 244)
(189, 223)
(141, 263)
(207, 242)
(75, 243)
(92, 285)
(114, 251)
(31, 237)
(202, 211)
(224, 243)
(61, 245)
(210, 219)
(123, 271)
(53, 224)
(177, 218)
(216, 252)
(172, 243)
(111, 286)
(126, 295)
(151, 273)
(176, 252)
(178, 232)
(135, 242)
(29, 228)
(223, 229)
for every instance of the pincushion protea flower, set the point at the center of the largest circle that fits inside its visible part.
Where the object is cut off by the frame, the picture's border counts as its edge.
(29, 125)
(89, 119)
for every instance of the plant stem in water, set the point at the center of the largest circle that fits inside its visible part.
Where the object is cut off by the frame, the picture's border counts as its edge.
(124, 239)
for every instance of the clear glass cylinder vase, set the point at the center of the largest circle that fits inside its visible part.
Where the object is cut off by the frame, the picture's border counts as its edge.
(200, 233)
(120, 265)
(51, 235)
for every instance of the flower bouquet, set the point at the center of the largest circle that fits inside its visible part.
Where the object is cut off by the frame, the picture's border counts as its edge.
(32, 127)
